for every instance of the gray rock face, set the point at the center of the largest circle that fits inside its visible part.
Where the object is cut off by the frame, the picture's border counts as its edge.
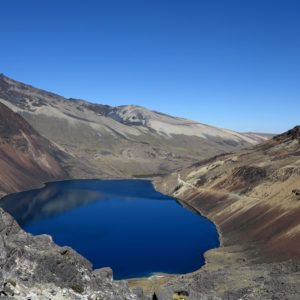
(35, 267)
(263, 281)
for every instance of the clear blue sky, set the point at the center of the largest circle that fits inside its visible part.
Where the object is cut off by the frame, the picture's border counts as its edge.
(228, 63)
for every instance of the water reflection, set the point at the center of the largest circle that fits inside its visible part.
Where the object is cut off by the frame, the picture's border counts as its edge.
(126, 225)
(47, 202)
(58, 197)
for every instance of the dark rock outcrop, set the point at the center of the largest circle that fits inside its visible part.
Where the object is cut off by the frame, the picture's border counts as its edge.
(296, 192)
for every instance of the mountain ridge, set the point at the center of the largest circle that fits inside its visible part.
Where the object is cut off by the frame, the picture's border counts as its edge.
(136, 141)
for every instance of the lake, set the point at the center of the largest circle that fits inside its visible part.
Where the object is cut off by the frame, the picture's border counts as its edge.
(123, 224)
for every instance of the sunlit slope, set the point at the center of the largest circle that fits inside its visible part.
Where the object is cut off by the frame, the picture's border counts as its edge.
(125, 140)
(252, 195)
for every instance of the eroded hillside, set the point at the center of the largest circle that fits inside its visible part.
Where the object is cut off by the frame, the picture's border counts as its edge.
(26, 158)
(120, 141)
(253, 196)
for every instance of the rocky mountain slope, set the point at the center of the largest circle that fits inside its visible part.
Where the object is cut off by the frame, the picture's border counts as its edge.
(253, 196)
(26, 158)
(119, 141)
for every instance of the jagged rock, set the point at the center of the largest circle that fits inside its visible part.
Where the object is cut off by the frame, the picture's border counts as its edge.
(139, 292)
(103, 273)
(35, 267)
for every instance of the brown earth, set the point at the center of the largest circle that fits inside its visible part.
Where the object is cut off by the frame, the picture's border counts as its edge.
(26, 158)
(249, 195)
(124, 141)
(252, 198)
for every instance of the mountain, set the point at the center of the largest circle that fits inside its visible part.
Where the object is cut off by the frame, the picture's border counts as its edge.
(119, 141)
(259, 137)
(26, 158)
(253, 197)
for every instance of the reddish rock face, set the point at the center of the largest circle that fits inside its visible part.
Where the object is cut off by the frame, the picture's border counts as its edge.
(26, 158)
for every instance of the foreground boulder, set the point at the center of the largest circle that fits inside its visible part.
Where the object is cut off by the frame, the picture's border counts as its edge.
(34, 267)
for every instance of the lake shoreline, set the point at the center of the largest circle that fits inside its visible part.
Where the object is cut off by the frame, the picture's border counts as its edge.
(223, 266)
(31, 197)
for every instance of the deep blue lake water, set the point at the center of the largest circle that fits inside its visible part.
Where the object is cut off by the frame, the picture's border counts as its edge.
(123, 224)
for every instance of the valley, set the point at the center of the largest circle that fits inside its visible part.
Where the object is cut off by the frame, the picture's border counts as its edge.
(246, 183)
(119, 142)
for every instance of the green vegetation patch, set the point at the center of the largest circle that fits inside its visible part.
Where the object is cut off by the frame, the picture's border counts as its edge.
(78, 289)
